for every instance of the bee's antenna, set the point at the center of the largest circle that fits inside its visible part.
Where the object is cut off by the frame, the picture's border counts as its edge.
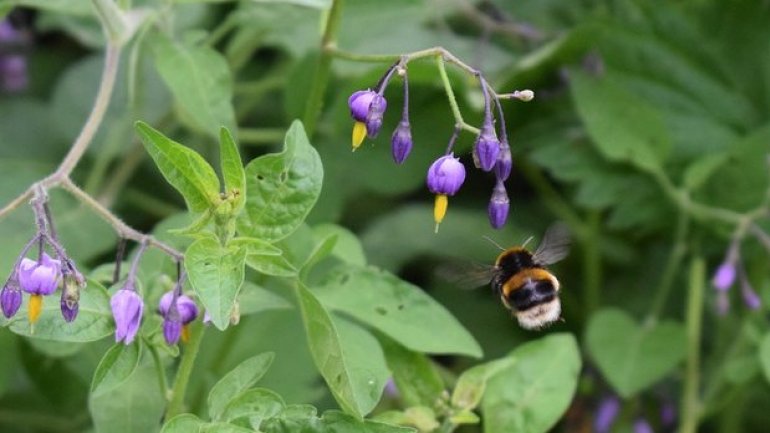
(527, 241)
(493, 242)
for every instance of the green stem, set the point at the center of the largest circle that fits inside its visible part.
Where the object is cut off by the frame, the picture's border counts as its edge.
(162, 381)
(323, 68)
(690, 410)
(450, 94)
(176, 405)
(671, 269)
(592, 261)
(446, 427)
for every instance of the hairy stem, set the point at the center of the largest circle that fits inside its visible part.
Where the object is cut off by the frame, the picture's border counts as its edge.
(672, 266)
(159, 369)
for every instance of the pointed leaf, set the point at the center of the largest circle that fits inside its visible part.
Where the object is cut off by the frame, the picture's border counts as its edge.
(399, 309)
(532, 395)
(283, 187)
(216, 273)
(349, 358)
(418, 381)
(201, 82)
(232, 169)
(183, 168)
(472, 383)
(116, 366)
(239, 379)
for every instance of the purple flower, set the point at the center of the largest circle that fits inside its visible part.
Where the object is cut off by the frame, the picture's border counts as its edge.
(177, 312)
(725, 275)
(172, 330)
(642, 426)
(374, 117)
(186, 307)
(10, 299)
(667, 414)
(606, 413)
(39, 278)
(723, 303)
(127, 308)
(504, 162)
(499, 205)
(13, 73)
(401, 142)
(446, 175)
(487, 147)
(359, 103)
(69, 310)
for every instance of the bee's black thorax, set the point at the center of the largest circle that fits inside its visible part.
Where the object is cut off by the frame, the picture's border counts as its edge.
(509, 263)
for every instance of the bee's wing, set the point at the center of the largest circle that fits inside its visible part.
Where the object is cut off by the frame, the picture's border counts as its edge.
(465, 274)
(554, 246)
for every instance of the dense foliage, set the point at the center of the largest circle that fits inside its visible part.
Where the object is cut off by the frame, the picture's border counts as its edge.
(190, 244)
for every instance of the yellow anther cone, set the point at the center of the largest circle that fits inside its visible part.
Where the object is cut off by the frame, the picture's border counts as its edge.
(185, 333)
(439, 209)
(359, 133)
(35, 308)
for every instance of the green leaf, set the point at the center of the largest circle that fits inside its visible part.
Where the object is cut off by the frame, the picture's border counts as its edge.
(94, 320)
(253, 246)
(417, 379)
(349, 358)
(302, 418)
(699, 171)
(216, 273)
(255, 404)
(183, 168)
(232, 170)
(764, 355)
(254, 299)
(239, 379)
(134, 405)
(632, 357)
(276, 266)
(184, 423)
(283, 187)
(320, 252)
(623, 128)
(400, 310)
(200, 80)
(117, 365)
(472, 383)
(347, 248)
(533, 394)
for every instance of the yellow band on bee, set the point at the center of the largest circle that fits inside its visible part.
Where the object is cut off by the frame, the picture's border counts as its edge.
(359, 133)
(185, 333)
(35, 308)
(439, 208)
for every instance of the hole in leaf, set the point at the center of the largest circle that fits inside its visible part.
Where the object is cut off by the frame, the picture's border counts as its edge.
(344, 278)
(381, 310)
(260, 177)
(400, 306)
(284, 175)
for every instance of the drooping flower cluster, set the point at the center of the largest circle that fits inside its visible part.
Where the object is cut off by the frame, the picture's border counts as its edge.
(446, 174)
(128, 307)
(41, 276)
(609, 409)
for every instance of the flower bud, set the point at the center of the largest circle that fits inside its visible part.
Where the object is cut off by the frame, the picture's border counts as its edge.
(504, 162)
(446, 175)
(127, 308)
(10, 299)
(13, 73)
(359, 103)
(487, 147)
(401, 142)
(172, 330)
(186, 307)
(724, 277)
(499, 205)
(750, 297)
(642, 426)
(39, 278)
(375, 115)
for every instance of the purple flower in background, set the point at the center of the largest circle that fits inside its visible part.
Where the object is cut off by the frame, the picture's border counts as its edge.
(499, 205)
(10, 299)
(487, 146)
(750, 297)
(642, 426)
(608, 410)
(724, 277)
(127, 309)
(723, 304)
(39, 277)
(13, 73)
(667, 414)
(401, 142)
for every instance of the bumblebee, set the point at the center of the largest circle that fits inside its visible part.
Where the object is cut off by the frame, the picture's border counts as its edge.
(522, 280)
(524, 283)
